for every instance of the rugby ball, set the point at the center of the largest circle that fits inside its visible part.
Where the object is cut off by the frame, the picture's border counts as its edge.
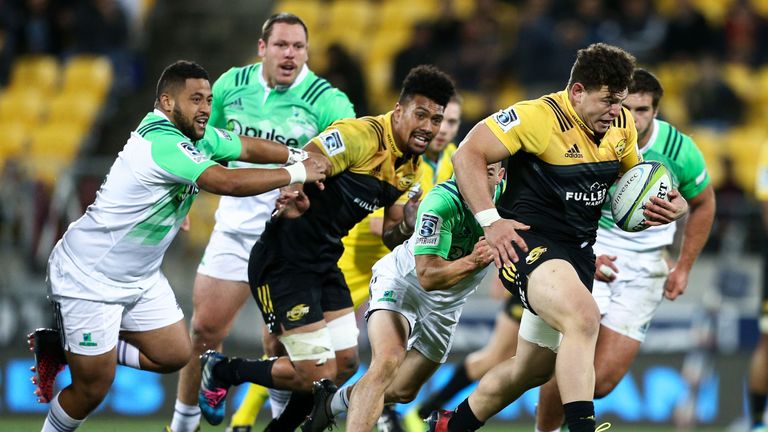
(634, 190)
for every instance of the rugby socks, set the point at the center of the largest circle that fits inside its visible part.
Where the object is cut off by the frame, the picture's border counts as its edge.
(186, 418)
(127, 354)
(757, 408)
(58, 420)
(458, 381)
(248, 410)
(554, 430)
(340, 401)
(580, 416)
(464, 419)
(278, 399)
(294, 414)
(236, 371)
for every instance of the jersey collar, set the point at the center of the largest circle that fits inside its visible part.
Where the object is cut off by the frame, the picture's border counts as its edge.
(653, 137)
(299, 78)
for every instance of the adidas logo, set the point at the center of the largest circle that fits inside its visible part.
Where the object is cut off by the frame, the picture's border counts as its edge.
(574, 152)
(238, 103)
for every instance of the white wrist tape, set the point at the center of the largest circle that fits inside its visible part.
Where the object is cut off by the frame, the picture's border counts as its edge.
(486, 217)
(296, 155)
(298, 172)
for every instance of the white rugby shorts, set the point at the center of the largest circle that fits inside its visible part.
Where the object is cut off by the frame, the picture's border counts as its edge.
(433, 325)
(628, 304)
(226, 256)
(91, 327)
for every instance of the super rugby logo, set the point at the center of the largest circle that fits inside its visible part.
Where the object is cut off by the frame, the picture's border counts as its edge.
(332, 142)
(192, 152)
(506, 119)
(429, 230)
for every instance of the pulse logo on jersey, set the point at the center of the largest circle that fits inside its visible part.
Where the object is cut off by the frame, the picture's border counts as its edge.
(506, 119)
(249, 131)
(429, 230)
(332, 142)
(192, 152)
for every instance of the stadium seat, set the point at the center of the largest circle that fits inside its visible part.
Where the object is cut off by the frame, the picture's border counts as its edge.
(25, 106)
(60, 140)
(743, 144)
(77, 109)
(88, 74)
(712, 146)
(201, 221)
(37, 72)
(714, 10)
(312, 12)
(13, 141)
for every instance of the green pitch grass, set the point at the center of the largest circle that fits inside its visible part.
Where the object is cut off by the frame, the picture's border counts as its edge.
(118, 424)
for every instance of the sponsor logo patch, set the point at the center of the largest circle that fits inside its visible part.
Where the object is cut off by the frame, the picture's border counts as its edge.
(332, 142)
(223, 134)
(87, 340)
(429, 230)
(192, 152)
(535, 254)
(297, 312)
(506, 119)
(388, 296)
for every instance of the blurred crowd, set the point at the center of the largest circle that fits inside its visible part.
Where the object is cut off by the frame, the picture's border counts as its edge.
(64, 28)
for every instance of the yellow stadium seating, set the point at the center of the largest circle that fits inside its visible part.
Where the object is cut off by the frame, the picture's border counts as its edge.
(743, 145)
(88, 74)
(12, 141)
(24, 106)
(41, 73)
(60, 140)
(310, 11)
(712, 146)
(77, 109)
(714, 10)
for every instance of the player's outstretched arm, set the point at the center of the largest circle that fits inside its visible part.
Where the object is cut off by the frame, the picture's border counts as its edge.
(257, 150)
(437, 273)
(253, 181)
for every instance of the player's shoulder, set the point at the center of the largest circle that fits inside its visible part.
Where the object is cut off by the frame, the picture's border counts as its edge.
(316, 91)
(155, 128)
(672, 142)
(547, 109)
(238, 76)
(624, 120)
(444, 197)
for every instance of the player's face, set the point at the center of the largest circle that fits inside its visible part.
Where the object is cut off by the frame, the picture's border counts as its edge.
(448, 128)
(416, 123)
(641, 107)
(284, 54)
(597, 108)
(192, 108)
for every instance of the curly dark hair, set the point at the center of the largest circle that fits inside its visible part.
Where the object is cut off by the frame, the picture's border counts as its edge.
(176, 74)
(646, 82)
(430, 82)
(603, 65)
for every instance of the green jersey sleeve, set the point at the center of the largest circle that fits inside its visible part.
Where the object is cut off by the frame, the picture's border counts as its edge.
(220, 145)
(692, 175)
(334, 105)
(434, 226)
(175, 154)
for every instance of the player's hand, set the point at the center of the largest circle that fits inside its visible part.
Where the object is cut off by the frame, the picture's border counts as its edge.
(676, 283)
(605, 268)
(500, 235)
(482, 253)
(411, 209)
(291, 203)
(317, 167)
(661, 211)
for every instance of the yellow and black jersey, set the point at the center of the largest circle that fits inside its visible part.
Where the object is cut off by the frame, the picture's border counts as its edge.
(559, 171)
(368, 172)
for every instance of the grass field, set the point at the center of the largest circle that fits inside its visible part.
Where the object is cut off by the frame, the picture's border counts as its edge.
(118, 424)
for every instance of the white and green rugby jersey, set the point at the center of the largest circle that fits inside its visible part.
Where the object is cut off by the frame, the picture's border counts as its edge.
(447, 228)
(688, 173)
(123, 235)
(246, 105)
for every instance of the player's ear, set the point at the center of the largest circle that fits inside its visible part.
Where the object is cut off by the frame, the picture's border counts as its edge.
(166, 102)
(262, 47)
